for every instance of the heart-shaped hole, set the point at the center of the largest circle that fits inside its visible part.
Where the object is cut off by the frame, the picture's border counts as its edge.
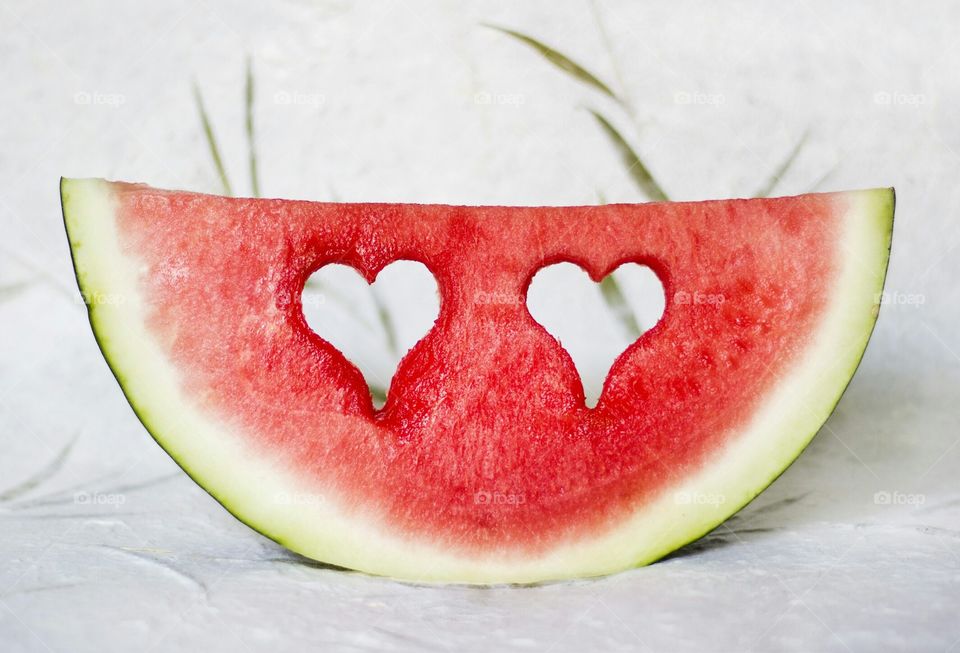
(595, 322)
(372, 325)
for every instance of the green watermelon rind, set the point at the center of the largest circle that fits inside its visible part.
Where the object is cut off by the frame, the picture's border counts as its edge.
(327, 531)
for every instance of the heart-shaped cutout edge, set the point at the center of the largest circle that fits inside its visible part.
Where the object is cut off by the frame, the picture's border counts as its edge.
(373, 324)
(595, 322)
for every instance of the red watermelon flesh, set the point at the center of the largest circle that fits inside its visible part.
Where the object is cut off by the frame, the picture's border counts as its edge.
(485, 463)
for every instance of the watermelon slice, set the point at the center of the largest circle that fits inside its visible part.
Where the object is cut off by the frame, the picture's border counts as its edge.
(485, 464)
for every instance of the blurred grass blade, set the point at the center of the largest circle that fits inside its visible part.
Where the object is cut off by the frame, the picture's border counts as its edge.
(635, 167)
(386, 322)
(13, 289)
(251, 141)
(815, 186)
(561, 61)
(42, 475)
(613, 296)
(314, 285)
(378, 394)
(779, 173)
(211, 141)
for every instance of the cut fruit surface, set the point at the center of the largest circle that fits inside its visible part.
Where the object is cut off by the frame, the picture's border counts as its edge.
(485, 464)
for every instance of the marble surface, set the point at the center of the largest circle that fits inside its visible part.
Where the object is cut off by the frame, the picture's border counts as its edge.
(106, 546)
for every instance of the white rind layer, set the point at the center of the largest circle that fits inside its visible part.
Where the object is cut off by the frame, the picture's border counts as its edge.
(261, 494)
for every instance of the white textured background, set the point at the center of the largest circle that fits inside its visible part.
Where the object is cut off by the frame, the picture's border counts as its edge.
(105, 546)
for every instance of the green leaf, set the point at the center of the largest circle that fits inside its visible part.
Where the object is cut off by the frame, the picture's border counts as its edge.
(635, 167)
(561, 61)
(781, 171)
(211, 141)
(251, 141)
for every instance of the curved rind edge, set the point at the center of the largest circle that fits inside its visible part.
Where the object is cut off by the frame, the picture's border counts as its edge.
(885, 201)
(99, 267)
